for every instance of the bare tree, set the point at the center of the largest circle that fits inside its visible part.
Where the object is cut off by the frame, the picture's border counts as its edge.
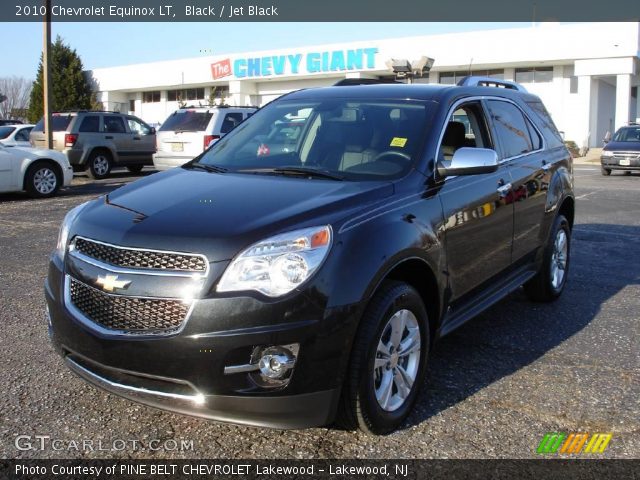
(17, 91)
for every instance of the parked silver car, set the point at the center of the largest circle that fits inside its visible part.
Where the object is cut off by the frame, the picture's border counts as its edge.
(96, 141)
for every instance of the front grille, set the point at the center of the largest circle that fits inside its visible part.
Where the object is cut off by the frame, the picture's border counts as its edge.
(630, 155)
(130, 314)
(144, 259)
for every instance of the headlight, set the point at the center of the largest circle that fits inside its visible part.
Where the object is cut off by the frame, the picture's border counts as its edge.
(607, 153)
(279, 264)
(63, 235)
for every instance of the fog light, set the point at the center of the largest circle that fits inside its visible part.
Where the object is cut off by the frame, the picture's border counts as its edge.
(276, 362)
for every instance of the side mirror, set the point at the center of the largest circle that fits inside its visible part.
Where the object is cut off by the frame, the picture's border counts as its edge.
(470, 161)
(152, 131)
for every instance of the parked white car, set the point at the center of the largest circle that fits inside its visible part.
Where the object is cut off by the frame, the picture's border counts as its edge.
(40, 172)
(15, 135)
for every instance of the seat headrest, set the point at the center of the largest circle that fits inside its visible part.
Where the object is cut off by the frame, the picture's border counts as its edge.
(454, 135)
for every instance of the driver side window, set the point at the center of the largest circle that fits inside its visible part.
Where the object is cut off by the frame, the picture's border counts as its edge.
(466, 127)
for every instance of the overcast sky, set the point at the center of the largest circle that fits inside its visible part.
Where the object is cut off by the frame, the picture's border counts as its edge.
(111, 44)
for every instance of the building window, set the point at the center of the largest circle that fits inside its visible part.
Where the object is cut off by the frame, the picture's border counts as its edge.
(534, 75)
(185, 94)
(451, 78)
(218, 93)
(151, 97)
(132, 105)
(499, 74)
(634, 92)
(573, 84)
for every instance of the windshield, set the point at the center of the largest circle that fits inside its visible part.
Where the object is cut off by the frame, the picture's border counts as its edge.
(631, 134)
(186, 121)
(5, 132)
(351, 139)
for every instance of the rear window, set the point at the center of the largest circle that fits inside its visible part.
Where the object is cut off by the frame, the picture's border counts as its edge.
(90, 123)
(59, 123)
(187, 121)
(5, 132)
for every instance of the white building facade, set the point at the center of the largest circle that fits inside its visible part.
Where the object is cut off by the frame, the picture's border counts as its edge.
(586, 74)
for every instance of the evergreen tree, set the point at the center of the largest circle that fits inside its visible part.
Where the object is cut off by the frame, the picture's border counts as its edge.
(70, 89)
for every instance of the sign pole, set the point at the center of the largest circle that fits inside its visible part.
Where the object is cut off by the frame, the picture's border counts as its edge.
(46, 73)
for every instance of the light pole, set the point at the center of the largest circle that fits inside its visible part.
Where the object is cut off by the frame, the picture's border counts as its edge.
(46, 73)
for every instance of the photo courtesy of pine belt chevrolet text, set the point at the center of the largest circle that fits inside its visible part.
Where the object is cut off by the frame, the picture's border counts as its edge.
(298, 272)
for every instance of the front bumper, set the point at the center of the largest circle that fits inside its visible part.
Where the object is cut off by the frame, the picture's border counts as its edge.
(618, 163)
(184, 372)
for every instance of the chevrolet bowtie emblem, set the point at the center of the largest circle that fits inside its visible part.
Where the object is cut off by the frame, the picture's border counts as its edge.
(109, 283)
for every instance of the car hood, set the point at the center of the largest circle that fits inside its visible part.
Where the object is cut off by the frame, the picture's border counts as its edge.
(623, 147)
(219, 214)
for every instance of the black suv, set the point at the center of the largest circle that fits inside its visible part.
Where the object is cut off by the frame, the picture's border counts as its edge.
(294, 286)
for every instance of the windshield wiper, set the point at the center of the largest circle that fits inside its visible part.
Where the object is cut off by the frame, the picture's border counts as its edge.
(298, 171)
(205, 167)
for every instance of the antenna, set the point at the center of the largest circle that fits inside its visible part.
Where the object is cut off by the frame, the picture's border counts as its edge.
(470, 63)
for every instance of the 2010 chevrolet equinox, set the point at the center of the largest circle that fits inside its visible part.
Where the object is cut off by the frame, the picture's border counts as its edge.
(299, 271)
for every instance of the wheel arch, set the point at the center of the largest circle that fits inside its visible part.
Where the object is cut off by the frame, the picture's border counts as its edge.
(417, 273)
(56, 167)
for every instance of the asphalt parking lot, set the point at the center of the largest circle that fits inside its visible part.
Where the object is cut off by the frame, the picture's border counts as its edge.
(494, 387)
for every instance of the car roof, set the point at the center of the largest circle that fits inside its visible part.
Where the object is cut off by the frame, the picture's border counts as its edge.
(402, 91)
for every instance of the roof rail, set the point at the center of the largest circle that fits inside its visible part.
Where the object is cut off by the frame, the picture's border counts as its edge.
(473, 81)
(363, 81)
(222, 105)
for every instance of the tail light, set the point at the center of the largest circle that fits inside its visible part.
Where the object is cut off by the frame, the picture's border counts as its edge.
(70, 139)
(208, 139)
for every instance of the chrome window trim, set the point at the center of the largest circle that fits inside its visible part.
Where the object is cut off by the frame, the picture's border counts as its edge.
(140, 271)
(486, 98)
(91, 325)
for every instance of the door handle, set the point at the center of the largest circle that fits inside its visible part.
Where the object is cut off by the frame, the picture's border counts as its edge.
(108, 137)
(136, 138)
(503, 190)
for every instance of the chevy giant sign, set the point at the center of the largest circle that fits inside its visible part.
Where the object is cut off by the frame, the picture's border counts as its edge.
(297, 63)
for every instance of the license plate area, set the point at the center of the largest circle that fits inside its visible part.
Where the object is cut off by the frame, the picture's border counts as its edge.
(625, 162)
(177, 147)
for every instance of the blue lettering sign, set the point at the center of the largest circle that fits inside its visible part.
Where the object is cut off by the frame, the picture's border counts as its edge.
(313, 62)
(294, 61)
(240, 68)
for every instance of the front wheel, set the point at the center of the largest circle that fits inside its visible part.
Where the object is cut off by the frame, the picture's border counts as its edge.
(550, 280)
(605, 171)
(42, 180)
(388, 361)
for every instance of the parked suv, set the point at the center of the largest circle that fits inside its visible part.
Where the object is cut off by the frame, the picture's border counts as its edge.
(188, 131)
(623, 151)
(293, 287)
(97, 141)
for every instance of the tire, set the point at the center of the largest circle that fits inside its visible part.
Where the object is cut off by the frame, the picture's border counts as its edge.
(605, 171)
(42, 180)
(135, 169)
(366, 403)
(99, 164)
(551, 279)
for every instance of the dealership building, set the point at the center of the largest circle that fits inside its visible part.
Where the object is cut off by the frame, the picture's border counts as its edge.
(587, 74)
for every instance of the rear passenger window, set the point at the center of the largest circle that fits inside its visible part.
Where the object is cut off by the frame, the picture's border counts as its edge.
(511, 128)
(23, 135)
(113, 125)
(230, 121)
(90, 123)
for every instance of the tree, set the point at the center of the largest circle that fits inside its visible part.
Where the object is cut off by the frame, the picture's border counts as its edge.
(16, 91)
(70, 88)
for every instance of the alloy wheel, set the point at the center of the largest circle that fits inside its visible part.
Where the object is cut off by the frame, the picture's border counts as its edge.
(397, 360)
(45, 180)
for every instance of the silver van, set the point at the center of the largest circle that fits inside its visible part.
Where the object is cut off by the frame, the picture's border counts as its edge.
(188, 131)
